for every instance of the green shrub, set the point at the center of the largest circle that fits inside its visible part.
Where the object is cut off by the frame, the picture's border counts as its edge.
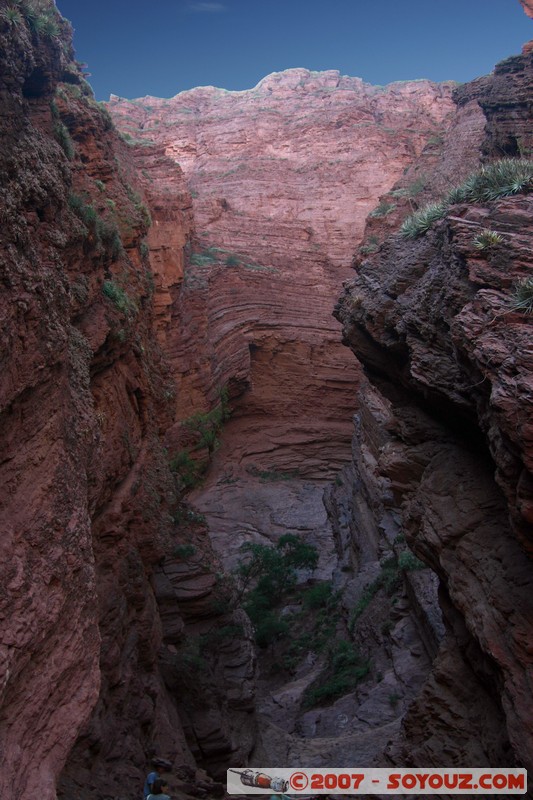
(413, 189)
(344, 670)
(499, 179)
(522, 299)
(107, 232)
(383, 209)
(204, 258)
(119, 298)
(62, 136)
(140, 207)
(394, 697)
(265, 575)
(364, 601)
(273, 568)
(106, 116)
(145, 215)
(459, 194)
(12, 16)
(320, 595)
(208, 425)
(487, 239)
(389, 579)
(184, 551)
(44, 25)
(422, 220)
(85, 211)
(220, 634)
(189, 664)
(502, 178)
(183, 514)
(269, 626)
(407, 562)
(270, 475)
(186, 469)
(371, 247)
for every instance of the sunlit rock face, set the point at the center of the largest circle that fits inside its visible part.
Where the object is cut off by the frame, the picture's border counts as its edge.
(282, 177)
(290, 169)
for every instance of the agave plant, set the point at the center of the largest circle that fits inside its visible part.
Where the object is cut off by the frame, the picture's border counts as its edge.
(463, 193)
(45, 25)
(422, 220)
(487, 239)
(500, 179)
(12, 16)
(522, 299)
(383, 209)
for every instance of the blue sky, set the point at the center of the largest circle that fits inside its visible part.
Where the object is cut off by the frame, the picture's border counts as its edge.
(161, 47)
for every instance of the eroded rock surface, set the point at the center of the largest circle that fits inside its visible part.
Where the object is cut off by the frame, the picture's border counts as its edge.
(282, 178)
(433, 323)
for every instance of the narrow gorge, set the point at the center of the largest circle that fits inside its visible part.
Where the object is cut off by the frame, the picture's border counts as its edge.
(191, 365)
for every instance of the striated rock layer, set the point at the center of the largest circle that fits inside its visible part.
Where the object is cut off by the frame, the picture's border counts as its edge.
(282, 177)
(90, 655)
(447, 438)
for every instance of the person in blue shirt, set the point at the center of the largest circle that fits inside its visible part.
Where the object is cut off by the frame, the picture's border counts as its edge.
(151, 778)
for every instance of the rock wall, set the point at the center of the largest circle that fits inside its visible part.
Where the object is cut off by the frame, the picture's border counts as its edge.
(115, 627)
(282, 177)
(90, 515)
(447, 357)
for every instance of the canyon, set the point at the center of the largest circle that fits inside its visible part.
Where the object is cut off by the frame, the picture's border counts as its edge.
(174, 386)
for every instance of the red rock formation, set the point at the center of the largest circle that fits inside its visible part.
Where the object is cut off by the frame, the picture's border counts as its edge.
(432, 322)
(282, 178)
(505, 106)
(87, 494)
(300, 151)
(49, 667)
(527, 5)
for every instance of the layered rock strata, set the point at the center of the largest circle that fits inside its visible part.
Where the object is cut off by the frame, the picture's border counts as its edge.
(282, 177)
(89, 653)
(448, 358)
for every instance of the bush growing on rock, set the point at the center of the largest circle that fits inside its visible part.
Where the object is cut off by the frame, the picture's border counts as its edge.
(265, 576)
(120, 299)
(523, 296)
(12, 16)
(344, 669)
(487, 239)
(502, 178)
(422, 220)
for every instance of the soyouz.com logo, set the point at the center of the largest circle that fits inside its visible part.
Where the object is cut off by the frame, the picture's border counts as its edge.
(412, 781)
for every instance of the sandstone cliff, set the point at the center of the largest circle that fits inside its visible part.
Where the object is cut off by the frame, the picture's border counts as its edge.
(91, 535)
(282, 177)
(133, 293)
(444, 444)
